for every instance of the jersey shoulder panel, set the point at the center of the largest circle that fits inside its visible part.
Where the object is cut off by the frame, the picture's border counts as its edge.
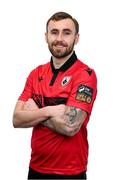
(85, 72)
(39, 69)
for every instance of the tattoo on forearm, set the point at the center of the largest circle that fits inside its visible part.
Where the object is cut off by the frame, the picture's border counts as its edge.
(52, 124)
(72, 114)
(73, 119)
(48, 124)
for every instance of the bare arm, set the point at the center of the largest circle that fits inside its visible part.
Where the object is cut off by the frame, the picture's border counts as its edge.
(69, 124)
(66, 120)
(27, 114)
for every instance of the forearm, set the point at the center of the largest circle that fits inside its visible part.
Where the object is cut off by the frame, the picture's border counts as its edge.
(51, 123)
(69, 124)
(24, 118)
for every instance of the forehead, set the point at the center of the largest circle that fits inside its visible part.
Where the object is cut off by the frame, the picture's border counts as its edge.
(61, 24)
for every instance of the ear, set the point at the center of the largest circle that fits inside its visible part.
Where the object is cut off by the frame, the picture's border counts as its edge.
(46, 37)
(77, 38)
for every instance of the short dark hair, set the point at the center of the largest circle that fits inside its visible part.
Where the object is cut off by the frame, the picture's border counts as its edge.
(63, 15)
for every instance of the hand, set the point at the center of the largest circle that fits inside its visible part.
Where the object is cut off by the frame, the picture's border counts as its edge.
(69, 123)
(30, 105)
(56, 121)
(56, 111)
(53, 111)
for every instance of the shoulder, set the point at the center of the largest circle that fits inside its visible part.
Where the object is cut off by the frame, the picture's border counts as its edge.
(85, 71)
(39, 69)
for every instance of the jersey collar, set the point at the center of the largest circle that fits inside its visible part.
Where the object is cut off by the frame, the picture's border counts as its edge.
(66, 65)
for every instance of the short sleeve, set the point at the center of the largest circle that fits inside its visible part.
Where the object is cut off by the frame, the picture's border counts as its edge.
(27, 92)
(84, 90)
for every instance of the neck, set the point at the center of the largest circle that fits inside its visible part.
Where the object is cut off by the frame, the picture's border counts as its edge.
(58, 62)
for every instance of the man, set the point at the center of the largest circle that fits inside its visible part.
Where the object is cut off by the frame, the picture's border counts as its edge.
(57, 102)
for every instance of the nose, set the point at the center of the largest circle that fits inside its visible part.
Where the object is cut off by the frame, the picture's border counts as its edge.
(59, 37)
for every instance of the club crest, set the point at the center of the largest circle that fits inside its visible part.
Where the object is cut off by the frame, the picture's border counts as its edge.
(65, 80)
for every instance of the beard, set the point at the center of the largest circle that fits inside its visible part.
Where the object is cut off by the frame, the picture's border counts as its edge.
(60, 52)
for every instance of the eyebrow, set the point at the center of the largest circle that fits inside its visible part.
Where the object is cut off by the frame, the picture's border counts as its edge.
(69, 30)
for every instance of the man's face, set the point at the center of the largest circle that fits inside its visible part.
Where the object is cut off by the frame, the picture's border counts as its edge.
(61, 37)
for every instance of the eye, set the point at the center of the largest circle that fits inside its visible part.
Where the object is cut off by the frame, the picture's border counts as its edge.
(67, 33)
(54, 32)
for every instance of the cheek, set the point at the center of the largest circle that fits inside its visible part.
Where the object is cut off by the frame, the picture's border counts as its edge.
(50, 40)
(69, 40)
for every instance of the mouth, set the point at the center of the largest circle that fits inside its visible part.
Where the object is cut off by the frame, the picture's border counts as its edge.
(59, 46)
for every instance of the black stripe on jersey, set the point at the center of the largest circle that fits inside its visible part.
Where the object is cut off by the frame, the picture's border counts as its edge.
(48, 101)
(53, 78)
(38, 99)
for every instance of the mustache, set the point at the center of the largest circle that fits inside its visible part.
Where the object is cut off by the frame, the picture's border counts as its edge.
(60, 43)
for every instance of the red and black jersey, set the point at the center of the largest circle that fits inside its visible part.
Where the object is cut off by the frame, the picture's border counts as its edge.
(74, 84)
